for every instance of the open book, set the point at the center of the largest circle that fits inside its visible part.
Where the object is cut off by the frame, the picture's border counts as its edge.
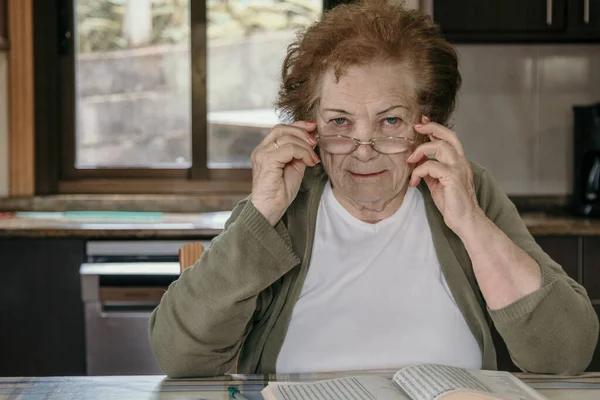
(418, 382)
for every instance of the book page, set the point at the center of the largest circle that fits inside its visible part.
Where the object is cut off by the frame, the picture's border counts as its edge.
(506, 385)
(354, 388)
(428, 382)
(468, 394)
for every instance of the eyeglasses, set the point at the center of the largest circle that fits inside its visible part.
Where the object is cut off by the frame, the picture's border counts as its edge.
(340, 144)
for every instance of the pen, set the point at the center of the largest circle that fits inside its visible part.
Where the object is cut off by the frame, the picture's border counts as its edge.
(235, 394)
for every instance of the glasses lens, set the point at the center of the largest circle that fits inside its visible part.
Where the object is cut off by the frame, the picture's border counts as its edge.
(337, 144)
(392, 145)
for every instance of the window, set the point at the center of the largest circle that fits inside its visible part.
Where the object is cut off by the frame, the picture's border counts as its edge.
(169, 89)
(132, 84)
(247, 42)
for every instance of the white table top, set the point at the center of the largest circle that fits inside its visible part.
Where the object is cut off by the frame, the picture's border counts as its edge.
(586, 387)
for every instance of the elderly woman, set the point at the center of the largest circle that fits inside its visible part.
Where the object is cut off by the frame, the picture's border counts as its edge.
(369, 240)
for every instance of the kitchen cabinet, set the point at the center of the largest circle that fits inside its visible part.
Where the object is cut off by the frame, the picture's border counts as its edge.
(595, 364)
(500, 16)
(517, 21)
(591, 282)
(584, 18)
(564, 250)
(41, 313)
(512, 21)
(591, 266)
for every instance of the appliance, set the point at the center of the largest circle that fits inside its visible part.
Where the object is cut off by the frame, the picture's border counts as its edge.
(586, 179)
(121, 283)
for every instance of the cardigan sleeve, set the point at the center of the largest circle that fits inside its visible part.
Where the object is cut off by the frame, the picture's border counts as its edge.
(554, 329)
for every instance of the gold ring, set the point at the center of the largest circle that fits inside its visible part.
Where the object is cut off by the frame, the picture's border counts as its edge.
(276, 145)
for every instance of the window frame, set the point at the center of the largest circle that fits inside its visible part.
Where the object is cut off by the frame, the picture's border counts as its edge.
(3, 25)
(55, 133)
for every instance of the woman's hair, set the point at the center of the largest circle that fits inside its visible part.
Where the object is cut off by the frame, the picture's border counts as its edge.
(362, 32)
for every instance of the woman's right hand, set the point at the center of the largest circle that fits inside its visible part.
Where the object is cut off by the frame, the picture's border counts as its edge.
(278, 165)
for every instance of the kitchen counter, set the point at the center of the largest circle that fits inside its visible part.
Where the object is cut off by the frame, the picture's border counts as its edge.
(129, 225)
(540, 224)
(183, 225)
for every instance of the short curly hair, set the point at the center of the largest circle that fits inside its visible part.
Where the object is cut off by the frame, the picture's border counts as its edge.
(362, 32)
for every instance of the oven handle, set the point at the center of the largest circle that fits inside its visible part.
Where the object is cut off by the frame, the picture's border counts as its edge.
(127, 310)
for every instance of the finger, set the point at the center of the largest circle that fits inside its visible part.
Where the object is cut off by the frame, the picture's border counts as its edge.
(429, 168)
(440, 150)
(430, 181)
(299, 129)
(437, 131)
(289, 152)
(286, 139)
(289, 139)
(308, 125)
(298, 165)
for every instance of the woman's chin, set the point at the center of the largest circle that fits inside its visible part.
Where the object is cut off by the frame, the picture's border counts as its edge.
(371, 196)
(370, 191)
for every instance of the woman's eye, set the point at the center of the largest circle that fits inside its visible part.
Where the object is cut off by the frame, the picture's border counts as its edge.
(339, 121)
(392, 120)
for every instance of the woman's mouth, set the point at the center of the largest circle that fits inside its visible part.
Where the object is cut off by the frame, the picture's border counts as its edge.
(368, 175)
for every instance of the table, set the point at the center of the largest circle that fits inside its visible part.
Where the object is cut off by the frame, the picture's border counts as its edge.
(585, 387)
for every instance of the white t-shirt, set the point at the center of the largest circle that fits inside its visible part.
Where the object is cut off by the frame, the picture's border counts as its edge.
(375, 297)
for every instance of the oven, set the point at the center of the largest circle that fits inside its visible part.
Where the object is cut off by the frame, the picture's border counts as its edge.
(122, 282)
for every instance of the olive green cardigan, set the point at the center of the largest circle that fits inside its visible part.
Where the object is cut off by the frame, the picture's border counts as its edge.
(238, 298)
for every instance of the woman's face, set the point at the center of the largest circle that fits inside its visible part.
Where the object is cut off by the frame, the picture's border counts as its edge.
(368, 102)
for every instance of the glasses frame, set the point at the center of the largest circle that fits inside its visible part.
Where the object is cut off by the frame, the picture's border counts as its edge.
(358, 143)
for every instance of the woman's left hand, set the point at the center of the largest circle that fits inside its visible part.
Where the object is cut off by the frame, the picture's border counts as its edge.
(449, 177)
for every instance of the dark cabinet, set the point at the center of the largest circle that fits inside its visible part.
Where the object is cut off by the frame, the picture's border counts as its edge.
(591, 282)
(472, 21)
(500, 16)
(591, 266)
(584, 18)
(595, 363)
(41, 312)
(564, 250)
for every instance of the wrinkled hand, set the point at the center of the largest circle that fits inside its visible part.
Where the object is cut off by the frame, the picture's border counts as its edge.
(278, 165)
(449, 177)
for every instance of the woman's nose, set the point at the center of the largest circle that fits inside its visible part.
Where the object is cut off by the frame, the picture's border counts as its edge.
(365, 152)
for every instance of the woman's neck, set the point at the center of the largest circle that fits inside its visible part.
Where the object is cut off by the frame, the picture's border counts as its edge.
(371, 212)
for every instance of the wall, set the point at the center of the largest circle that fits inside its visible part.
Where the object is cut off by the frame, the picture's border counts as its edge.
(514, 114)
(3, 125)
